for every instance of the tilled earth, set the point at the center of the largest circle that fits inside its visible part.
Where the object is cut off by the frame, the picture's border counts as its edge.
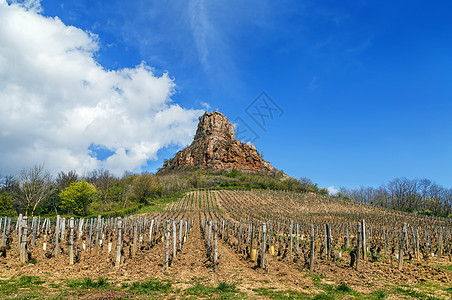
(192, 266)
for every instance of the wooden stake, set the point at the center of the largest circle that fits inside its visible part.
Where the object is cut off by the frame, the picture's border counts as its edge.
(23, 241)
(99, 224)
(215, 247)
(119, 243)
(71, 241)
(290, 240)
(364, 240)
(174, 240)
(359, 242)
(167, 242)
(264, 232)
(312, 257)
(135, 237)
(57, 233)
(403, 236)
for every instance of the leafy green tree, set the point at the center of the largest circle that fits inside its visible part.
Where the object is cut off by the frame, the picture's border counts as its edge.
(6, 208)
(76, 197)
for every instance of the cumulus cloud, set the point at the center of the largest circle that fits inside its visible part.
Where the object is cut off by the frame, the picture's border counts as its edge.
(333, 190)
(57, 101)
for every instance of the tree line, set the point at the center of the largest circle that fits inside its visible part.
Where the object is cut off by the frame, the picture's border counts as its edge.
(34, 191)
(421, 196)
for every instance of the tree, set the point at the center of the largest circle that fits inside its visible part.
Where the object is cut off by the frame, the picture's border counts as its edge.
(146, 187)
(76, 197)
(35, 185)
(6, 208)
(64, 180)
(103, 180)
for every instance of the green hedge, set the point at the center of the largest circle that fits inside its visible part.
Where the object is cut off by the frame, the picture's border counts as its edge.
(117, 213)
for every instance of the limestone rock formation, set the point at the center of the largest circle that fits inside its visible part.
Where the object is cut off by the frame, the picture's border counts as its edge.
(215, 147)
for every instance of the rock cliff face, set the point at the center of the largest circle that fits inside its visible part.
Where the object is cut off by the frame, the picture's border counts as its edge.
(215, 147)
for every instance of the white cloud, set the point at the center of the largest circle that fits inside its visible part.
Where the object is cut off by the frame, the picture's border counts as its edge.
(56, 100)
(206, 106)
(332, 190)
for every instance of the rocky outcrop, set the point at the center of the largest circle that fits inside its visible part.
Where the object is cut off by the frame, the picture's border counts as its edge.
(215, 147)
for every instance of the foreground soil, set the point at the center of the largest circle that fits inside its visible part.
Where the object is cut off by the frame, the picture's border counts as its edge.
(192, 275)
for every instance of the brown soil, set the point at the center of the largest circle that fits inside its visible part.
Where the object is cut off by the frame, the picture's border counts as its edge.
(191, 265)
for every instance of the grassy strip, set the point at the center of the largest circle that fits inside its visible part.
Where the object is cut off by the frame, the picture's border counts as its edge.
(158, 204)
(87, 283)
(25, 286)
(282, 294)
(414, 294)
(448, 268)
(29, 287)
(222, 291)
(331, 292)
(150, 287)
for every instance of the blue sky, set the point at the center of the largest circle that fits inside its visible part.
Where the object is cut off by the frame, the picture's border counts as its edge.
(364, 86)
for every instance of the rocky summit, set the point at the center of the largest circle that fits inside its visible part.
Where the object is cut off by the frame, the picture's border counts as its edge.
(215, 147)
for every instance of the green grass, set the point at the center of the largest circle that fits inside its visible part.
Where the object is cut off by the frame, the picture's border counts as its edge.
(448, 268)
(200, 290)
(378, 295)
(323, 296)
(343, 288)
(429, 288)
(88, 283)
(34, 287)
(331, 292)
(152, 286)
(414, 294)
(222, 291)
(345, 249)
(27, 286)
(158, 204)
(279, 295)
(316, 278)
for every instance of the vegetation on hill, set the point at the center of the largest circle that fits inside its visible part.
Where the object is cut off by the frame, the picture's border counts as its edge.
(420, 196)
(35, 192)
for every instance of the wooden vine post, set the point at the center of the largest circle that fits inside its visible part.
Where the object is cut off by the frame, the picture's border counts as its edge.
(119, 243)
(23, 241)
(98, 232)
(135, 237)
(363, 225)
(215, 246)
(167, 242)
(174, 240)
(402, 241)
(33, 229)
(264, 233)
(19, 231)
(180, 233)
(358, 245)
(290, 240)
(57, 233)
(4, 233)
(440, 243)
(71, 241)
(312, 257)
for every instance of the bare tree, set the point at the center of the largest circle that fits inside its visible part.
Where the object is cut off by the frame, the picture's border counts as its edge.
(64, 180)
(35, 185)
(103, 180)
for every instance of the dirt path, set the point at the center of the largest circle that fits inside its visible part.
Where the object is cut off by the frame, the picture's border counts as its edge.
(192, 263)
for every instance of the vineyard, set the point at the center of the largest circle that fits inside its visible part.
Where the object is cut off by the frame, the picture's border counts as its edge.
(232, 243)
